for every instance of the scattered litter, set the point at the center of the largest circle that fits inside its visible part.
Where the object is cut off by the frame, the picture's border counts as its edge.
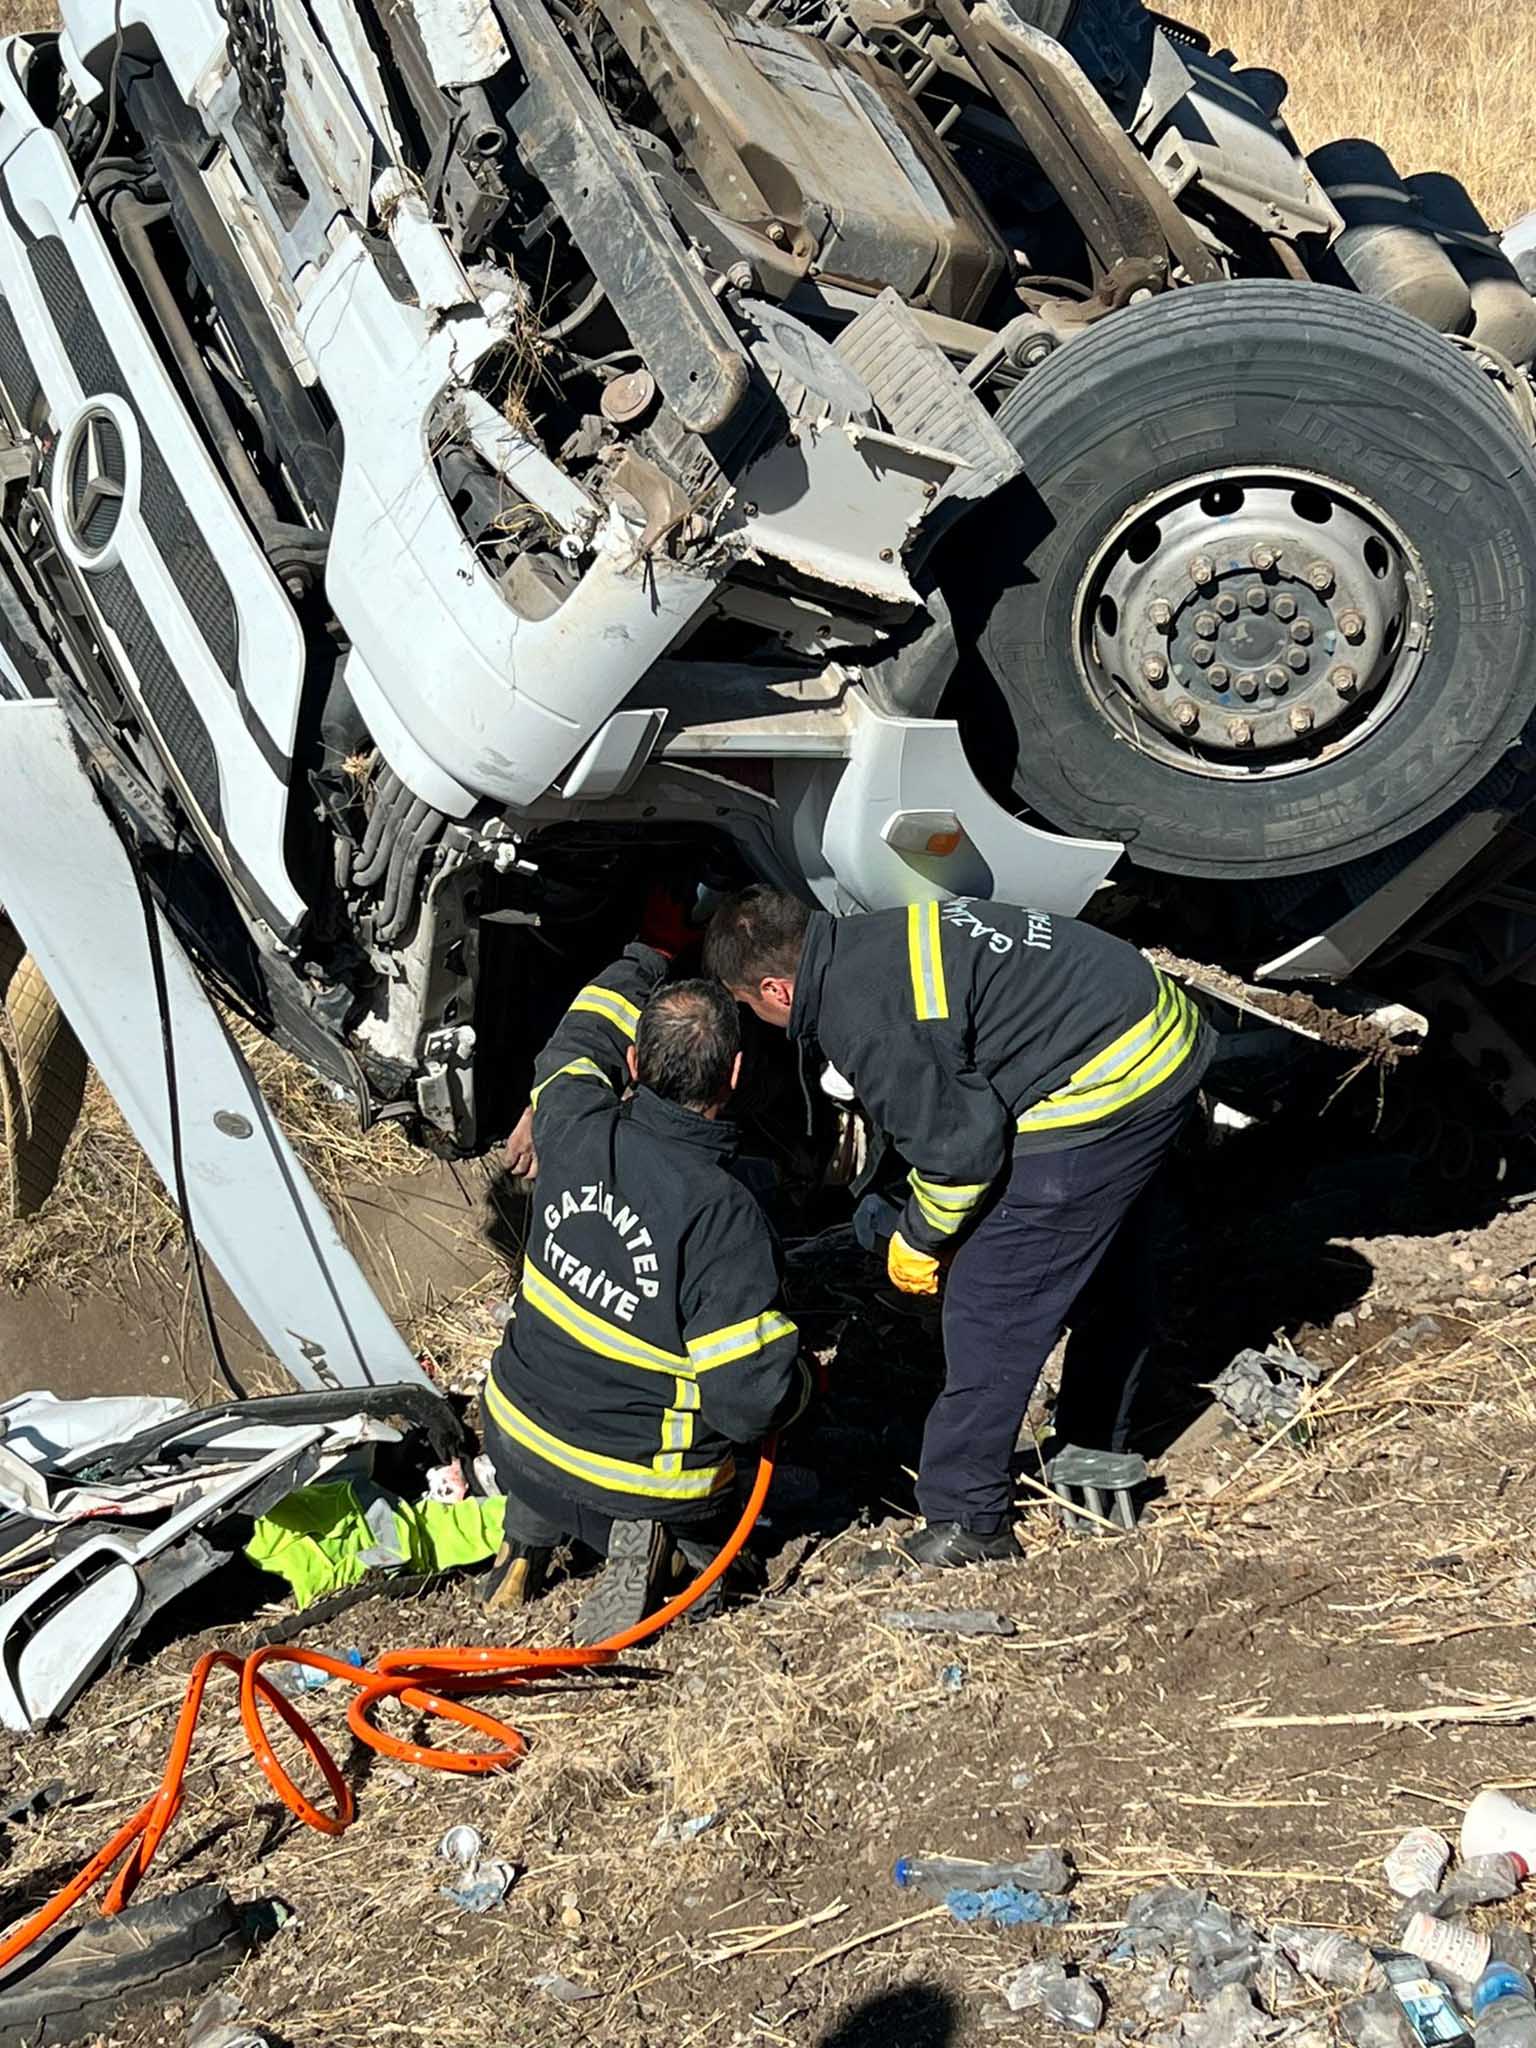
(1452, 1948)
(483, 1882)
(1262, 1390)
(1417, 1863)
(553, 1985)
(481, 1887)
(968, 1621)
(1006, 1905)
(36, 1803)
(297, 1679)
(1047, 1987)
(217, 2023)
(1096, 1490)
(462, 1847)
(673, 1830)
(952, 1678)
(1495, 1824)
(1330, 1958)
(1482, 1881)
(1162, 1999)
(1042, 1870)
(1230, 2020)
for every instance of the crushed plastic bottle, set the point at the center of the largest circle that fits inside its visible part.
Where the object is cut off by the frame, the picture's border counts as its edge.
(1042, 1870)
(1230, 2020)
(1330, 1958)
(1417, 1863)
(1482, 1881)
(1074, 2003)
(1158, 1922)
(1503, 2009)
(298, 1679)
(1223, 1950)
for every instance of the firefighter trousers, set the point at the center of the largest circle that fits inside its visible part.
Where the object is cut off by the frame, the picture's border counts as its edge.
(1068, 1242)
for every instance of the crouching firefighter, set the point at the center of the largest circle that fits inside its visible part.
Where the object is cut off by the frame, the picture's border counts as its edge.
(647, 1344)
(1034, 1072)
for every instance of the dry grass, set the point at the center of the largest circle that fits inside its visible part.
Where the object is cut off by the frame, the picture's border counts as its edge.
(110, 1207)
(22, 17)
(1444, 88)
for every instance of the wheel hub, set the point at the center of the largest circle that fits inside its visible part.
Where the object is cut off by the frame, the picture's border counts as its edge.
(1252, 623)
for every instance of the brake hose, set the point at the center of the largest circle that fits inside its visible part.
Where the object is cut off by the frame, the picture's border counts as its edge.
(428, 1681)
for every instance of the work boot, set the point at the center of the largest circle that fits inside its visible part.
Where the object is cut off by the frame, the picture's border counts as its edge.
(947, 1544)
(621, 1598)
(516, 1576)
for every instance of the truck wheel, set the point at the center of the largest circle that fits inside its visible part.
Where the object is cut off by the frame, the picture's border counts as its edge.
(1266, 595)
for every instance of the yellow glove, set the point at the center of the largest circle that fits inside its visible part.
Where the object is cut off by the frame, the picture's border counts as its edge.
(913, 1272)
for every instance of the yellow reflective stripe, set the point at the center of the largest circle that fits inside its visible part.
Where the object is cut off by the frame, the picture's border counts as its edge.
(1161, 1056)
(945, 1207)
(593, 1332)
(1116, 1059)
(677, 1428)
(606, 1002)
(925, 958)
(587, 1069)
(739, 1340)
(612, 1475)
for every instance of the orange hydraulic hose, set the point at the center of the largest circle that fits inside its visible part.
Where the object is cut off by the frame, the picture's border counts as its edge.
(428, 1681)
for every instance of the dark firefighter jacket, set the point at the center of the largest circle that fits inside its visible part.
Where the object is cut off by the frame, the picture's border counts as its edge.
(972, 1030)
(647, 1340)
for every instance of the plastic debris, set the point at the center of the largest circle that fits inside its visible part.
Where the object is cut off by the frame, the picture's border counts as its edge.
(1377, 2022)
(1047, 1987)
(298, 1679)
(1162, 1999)
(1262, 1390)
(1042, 1870)
(1330, 1958)
(217, 2023)
(674, 1830)
(1452, 1948)
(462, 1847)
(43, 1799)
(1007, 1905)
(968, 1621)
(481, 1887)
(1481, 1881)
(1230, 2020)
(1417, 1863)
(952, 1678)
(1159, 1921)
(553, 1985)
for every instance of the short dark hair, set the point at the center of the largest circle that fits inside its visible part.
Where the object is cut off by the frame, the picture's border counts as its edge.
(689, 1036)
(757, 932)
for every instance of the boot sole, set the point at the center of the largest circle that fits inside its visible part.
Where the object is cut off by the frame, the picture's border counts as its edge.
(621, 1597)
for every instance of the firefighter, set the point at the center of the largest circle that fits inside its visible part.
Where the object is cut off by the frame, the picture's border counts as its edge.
(1034, 1072)
(648, 1342)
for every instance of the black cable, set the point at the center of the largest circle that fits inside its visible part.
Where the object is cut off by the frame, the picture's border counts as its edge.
(173, 1103)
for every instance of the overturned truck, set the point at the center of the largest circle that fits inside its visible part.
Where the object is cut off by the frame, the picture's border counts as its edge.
(462, 458)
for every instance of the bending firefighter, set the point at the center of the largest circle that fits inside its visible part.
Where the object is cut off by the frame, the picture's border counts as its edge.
(1034, 1072)
(647, 1343)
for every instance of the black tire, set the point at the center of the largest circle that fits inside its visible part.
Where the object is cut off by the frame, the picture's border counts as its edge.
(1274, 375)
(81, 1982)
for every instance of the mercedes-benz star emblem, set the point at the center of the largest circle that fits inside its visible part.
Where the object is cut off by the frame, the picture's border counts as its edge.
(96, 482)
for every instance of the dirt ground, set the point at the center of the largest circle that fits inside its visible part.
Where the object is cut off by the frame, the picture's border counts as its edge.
(1374, 1583)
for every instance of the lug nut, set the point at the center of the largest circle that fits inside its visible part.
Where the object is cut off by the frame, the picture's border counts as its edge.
(1248, 685)
(1277, 680)
(1160, 612)
(1320, 576)
(1202, 570)
(1155, 669)
(1299, 719)
(1240, 732)
(1301, 631)
(1344, 680)
(1226, 604)
(1207, 625)
(1202, 655)
(1263, 556)
(1219, 676)
(1186, 715)
(1352, 625)
(1296, 658)
(1256, 597)
(1285, 606)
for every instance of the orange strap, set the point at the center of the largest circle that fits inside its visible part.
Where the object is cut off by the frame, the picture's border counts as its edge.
(428, 1681)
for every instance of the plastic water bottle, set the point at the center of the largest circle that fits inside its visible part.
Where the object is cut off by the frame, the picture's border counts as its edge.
(1503, 2009)
(1042, 1870)
(298, 1679)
